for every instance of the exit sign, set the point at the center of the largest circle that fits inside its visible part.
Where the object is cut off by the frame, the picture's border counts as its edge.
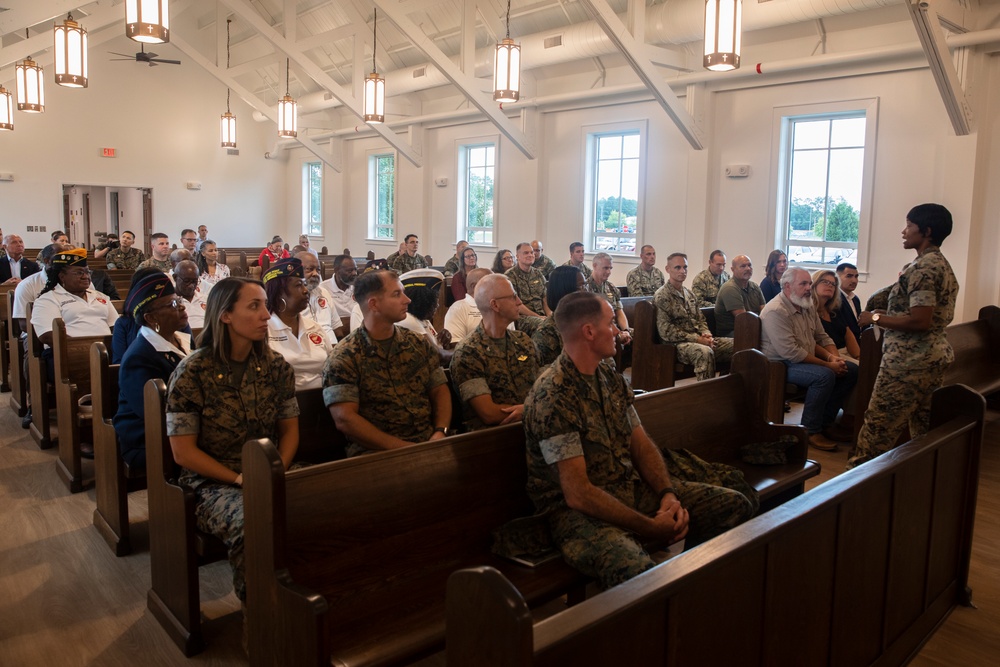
(109, 152)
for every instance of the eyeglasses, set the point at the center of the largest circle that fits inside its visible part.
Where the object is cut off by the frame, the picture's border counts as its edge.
(189, 238)
(506, 296)
(78, 272)
(173, 303)
(824, 281)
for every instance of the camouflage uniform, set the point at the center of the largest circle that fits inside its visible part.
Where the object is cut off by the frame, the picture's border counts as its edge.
(568, 414)
(733, 297)
(154, 263)
(390, 259)
(451, 267)
(391, 388)
(404, 262)
(530, 288)
(608, 291)
(913, 362)
(122, 259)
(504, 369)
(583, 267)
(547, 341)
(644, 283)
(706, 287)
(204, 401)
(680, 322)
(545, 265)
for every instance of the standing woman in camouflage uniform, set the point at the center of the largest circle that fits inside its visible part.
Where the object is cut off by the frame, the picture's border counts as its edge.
(916, 352)
(234, 388)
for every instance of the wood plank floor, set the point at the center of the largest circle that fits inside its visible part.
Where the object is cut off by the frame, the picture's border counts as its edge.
(65, 599)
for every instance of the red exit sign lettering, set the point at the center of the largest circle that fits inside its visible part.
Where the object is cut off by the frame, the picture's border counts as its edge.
(109, 152)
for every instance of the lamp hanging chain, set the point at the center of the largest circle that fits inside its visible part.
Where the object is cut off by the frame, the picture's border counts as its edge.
(374, 39)
(508, 19)
(288, 83)
(228, 89)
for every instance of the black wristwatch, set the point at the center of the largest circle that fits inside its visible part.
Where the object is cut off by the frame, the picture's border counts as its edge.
(667, 490)
(441, 429)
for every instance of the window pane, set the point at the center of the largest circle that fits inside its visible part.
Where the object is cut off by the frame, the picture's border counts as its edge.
(631, 146)
(812, 134)
(808, 188)
(615, 177)
(610, 148)
(478, 185)
(846, 170)
(848, 132)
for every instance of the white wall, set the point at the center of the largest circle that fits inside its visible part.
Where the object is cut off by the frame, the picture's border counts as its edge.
(164, 121)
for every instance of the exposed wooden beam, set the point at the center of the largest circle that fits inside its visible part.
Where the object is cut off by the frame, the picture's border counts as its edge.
(220, 73)
(634, 53)
(925, 19)
(247, 13)
(466, 83)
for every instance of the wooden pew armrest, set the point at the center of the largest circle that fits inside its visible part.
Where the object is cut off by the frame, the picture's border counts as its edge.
(797, 452)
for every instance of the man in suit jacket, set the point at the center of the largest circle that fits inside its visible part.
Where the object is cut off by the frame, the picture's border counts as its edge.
(850, 305)
(15, 266)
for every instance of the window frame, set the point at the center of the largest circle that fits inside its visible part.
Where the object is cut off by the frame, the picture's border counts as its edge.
(783, 122)
(591, 135)
(372, 163)
(462, 179)
(306, 199)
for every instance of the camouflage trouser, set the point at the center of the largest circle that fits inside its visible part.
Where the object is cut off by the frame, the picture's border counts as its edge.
(613, 555)
(219, 512)
(899, 396)
(703, 358)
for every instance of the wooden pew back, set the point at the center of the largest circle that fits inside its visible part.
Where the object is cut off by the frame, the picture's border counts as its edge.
(976, 345)
(71, 355)
(42, 397)
(858, 571)
(6, 352)
(18, 386)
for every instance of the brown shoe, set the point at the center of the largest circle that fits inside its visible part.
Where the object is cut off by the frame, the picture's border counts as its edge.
(821, 442)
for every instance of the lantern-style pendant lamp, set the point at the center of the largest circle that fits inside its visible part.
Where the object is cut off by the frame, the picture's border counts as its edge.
(6, 109)
(147, 21)
(374, 99)
(507, 68)
(288, 123)
(723, 28)
(227, 124)
(70, 54)
(30, 86)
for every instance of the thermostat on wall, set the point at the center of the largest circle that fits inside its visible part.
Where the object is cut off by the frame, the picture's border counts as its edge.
(738, 170)
(194, 185)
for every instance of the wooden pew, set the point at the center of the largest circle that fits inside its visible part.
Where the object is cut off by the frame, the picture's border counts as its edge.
(42, 393)
(18, 387)
(6, 292)
(656, 365)
(363, 578)
(114, 479)
(859, 571)
(746, 336)
(176, 547)
(71, 355)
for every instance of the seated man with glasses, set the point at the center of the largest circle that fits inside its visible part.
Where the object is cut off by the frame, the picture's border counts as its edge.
(68, 295)
(187, 282)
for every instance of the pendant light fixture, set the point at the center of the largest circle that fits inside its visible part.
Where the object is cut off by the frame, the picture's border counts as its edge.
(147, 21)
(228, 121)
(507, 68)
(288, 124)
(723, 28)
(70, 54)
(374, 108)
(30, 85)
(6, 109)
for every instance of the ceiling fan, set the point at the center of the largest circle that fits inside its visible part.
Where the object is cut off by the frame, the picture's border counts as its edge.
(143, 57)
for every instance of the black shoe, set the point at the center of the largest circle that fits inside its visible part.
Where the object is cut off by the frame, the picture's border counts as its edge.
(26, 420)
(86, 450)
(787, 407)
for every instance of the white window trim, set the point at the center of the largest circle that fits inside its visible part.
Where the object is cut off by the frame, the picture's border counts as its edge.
(780, 148)
(372, 194)
(304, 227)
(590, 132)
(461, 200)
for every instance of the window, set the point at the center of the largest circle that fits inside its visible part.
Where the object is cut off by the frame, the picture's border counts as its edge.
(382, 196)
(312, 199)
(613, 191)
(477, 171)
(826, 169)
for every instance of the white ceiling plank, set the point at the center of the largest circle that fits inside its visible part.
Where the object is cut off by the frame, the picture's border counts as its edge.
(290, 18)
(928, 25)
(43, 41)
(323, 38)
(247, 13)
(36, 11)
(468, 85)
(644, 68)
(468, 44)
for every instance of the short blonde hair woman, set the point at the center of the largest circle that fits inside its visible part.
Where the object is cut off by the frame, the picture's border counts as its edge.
(826, 297)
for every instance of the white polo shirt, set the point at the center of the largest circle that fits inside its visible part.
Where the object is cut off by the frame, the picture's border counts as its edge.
(462, 318)
(27, 291)
(93, 316)
(196, 307)
(307, 354)
(343, 299)
(357, 318)
(324, 312)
